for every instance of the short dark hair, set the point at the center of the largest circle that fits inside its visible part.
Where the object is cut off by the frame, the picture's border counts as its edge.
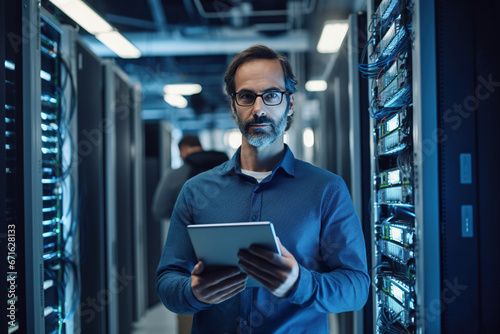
(260, 52)
(189, 140)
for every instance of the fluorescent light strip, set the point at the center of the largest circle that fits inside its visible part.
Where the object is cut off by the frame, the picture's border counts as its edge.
(176, 100)
(82, 14)
(182, 89)
(316, 85)
(119, 44)
(91, 21)
(332, 37)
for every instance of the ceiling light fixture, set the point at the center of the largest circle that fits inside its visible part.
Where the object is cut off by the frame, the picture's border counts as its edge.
(233, 138)
(308, 137)
(332, 36)
(82, 14)
(176, 100)
(92, 22)
(316, 85)
(182, 89)
(119, 44)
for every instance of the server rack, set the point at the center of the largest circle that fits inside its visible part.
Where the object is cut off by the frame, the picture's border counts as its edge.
(13, 284)
(36, 198)
(94, 317)
(3, 148)
(452, 240)
(21, 197)
(28, 104)
(60, 225)
(111, 178)
(453, 125)
(125, 201)
(404, 220)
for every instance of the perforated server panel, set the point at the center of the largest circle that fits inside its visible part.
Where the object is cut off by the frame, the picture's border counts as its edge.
(6, 203)
(91, 134)
(20, 267)
(124, 198)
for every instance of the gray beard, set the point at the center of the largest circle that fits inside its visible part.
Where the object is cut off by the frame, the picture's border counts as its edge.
(262, 137)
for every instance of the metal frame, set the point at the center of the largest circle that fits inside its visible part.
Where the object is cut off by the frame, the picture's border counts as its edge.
(68, 49)
(110, 186)
(32, 155)
(426, 183)
(140, 236)
(354, 119)
(369, 12)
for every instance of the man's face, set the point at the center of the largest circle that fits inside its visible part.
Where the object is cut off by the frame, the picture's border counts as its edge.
(261, 124)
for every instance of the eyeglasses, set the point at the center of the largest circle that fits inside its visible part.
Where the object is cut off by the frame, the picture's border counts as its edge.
(247, 99)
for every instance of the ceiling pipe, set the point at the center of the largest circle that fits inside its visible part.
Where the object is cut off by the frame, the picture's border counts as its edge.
(158, 14)
(131, 22)
(227, 14)
(158, 44)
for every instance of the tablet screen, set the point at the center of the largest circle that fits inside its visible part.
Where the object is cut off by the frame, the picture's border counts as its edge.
(218, 244)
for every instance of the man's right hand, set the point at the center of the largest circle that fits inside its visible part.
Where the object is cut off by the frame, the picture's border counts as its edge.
(216, 286)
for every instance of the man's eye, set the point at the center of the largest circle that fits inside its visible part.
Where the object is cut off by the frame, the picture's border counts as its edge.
(245, 96)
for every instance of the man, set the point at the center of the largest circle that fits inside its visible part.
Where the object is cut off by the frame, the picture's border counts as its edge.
(322, 268)
(196, 160)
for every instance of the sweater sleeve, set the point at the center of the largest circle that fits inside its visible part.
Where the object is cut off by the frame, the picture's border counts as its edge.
(173, 276)
(345, 285)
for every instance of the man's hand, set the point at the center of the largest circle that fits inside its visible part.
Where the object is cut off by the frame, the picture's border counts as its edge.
(278, 273)
(216, 286)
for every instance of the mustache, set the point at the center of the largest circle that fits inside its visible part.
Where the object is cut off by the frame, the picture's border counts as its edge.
(260, 120)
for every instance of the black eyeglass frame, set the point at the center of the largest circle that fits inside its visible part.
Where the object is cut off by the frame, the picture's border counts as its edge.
(283, 93)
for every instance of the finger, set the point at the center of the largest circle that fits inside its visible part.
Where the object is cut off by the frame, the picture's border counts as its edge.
(284, 251)
(213, 289)
(228, 293)
(263, 252)
(267, 272)
(267, 279)
(206, 292)
(259, 265)
(262, 257)
(226, 288)
(198, 268)
(217, 277)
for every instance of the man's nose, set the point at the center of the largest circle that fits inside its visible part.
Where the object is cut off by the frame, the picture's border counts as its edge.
(258, 107)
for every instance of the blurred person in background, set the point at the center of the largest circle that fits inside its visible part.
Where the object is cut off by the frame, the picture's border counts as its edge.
(196, 160)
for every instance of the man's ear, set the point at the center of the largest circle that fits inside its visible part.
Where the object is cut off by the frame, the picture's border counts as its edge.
(233, 108)
(291, 105)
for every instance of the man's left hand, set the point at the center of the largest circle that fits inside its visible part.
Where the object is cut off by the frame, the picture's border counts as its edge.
(278, 273)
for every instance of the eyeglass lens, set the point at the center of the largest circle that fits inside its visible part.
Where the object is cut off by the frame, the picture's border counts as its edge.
(269, 98)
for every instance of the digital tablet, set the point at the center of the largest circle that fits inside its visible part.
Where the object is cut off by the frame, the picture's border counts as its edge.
(218, 244)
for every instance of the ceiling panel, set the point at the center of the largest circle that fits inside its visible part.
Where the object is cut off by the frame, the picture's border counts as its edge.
(193, 40)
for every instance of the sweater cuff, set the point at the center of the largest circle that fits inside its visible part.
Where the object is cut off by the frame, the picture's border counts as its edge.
(303, 290)
(191, 299)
